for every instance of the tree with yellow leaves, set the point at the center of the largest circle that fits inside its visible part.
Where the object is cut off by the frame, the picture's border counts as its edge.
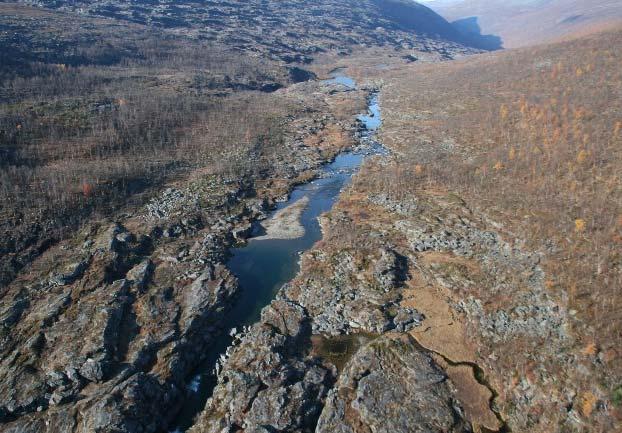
(503, 112)
(579, 225)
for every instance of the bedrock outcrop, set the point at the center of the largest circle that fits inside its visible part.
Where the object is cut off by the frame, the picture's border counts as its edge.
(104, 330)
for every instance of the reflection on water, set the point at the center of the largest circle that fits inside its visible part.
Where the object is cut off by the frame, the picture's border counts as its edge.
(263, 266)
(342, 79)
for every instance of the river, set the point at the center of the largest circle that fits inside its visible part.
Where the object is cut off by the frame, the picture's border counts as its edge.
(264, 266)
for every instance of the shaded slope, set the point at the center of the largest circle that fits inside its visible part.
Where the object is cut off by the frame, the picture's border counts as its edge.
(420, 19)
(299, 25)
(525, 22)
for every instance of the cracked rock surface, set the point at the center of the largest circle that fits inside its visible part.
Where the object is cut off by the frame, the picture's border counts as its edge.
(390, 385)
(104, 330)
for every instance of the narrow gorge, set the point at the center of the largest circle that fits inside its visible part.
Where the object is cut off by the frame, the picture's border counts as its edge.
(270, 260)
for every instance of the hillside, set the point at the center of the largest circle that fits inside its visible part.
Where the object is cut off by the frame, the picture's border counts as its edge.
(473, 274)
(529, 145)
(139, 144)
(229, 216)
(526, 22)
(71, 72)
(292, 30)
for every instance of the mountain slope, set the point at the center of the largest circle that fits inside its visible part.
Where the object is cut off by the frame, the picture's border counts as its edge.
(71, 50)
(525, 22)
(498, 218)
(530, 141)
(138, 141)
(292, 29)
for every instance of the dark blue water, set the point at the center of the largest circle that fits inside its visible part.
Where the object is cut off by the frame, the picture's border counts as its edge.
(264, 265)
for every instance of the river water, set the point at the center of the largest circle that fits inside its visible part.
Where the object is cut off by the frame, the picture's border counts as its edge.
(264, 266)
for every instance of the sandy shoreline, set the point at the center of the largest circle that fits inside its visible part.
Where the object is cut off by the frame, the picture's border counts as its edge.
(285, 224)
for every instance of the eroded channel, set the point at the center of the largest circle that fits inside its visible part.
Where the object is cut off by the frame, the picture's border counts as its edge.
(266, 263)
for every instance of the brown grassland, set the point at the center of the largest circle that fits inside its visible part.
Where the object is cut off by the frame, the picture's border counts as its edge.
(531, 138)
(524, 144)
(94, 112)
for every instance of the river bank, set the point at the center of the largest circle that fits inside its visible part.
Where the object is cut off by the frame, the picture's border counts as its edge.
(414, 295)
(115, 320)
(268, 261)
(285, 223)
(344, 313)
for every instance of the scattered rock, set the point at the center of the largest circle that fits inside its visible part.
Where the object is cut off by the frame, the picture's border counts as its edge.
(71, 274)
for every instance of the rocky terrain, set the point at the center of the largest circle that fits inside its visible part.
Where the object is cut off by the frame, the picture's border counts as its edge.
(426, 306)
(285, 223)
(452, 144)
(102, 332)
(389, 308)
(291, 31)
(78, 85)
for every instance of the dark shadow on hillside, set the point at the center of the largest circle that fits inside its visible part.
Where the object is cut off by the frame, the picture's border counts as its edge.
(471, 30)
(422, 20)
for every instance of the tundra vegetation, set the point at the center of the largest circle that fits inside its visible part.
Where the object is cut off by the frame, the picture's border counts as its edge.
(101, 102)
(472, 274)
(93, 112)
(487, 242)
(532, 139)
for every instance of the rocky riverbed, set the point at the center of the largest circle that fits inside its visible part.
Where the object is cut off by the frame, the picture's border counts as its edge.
(103, 332)
(395, 323)
(110, 338)
(336, 350)
(413, 311)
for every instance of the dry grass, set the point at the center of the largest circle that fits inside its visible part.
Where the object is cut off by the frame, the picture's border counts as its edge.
(532, 138)
(88, 127)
